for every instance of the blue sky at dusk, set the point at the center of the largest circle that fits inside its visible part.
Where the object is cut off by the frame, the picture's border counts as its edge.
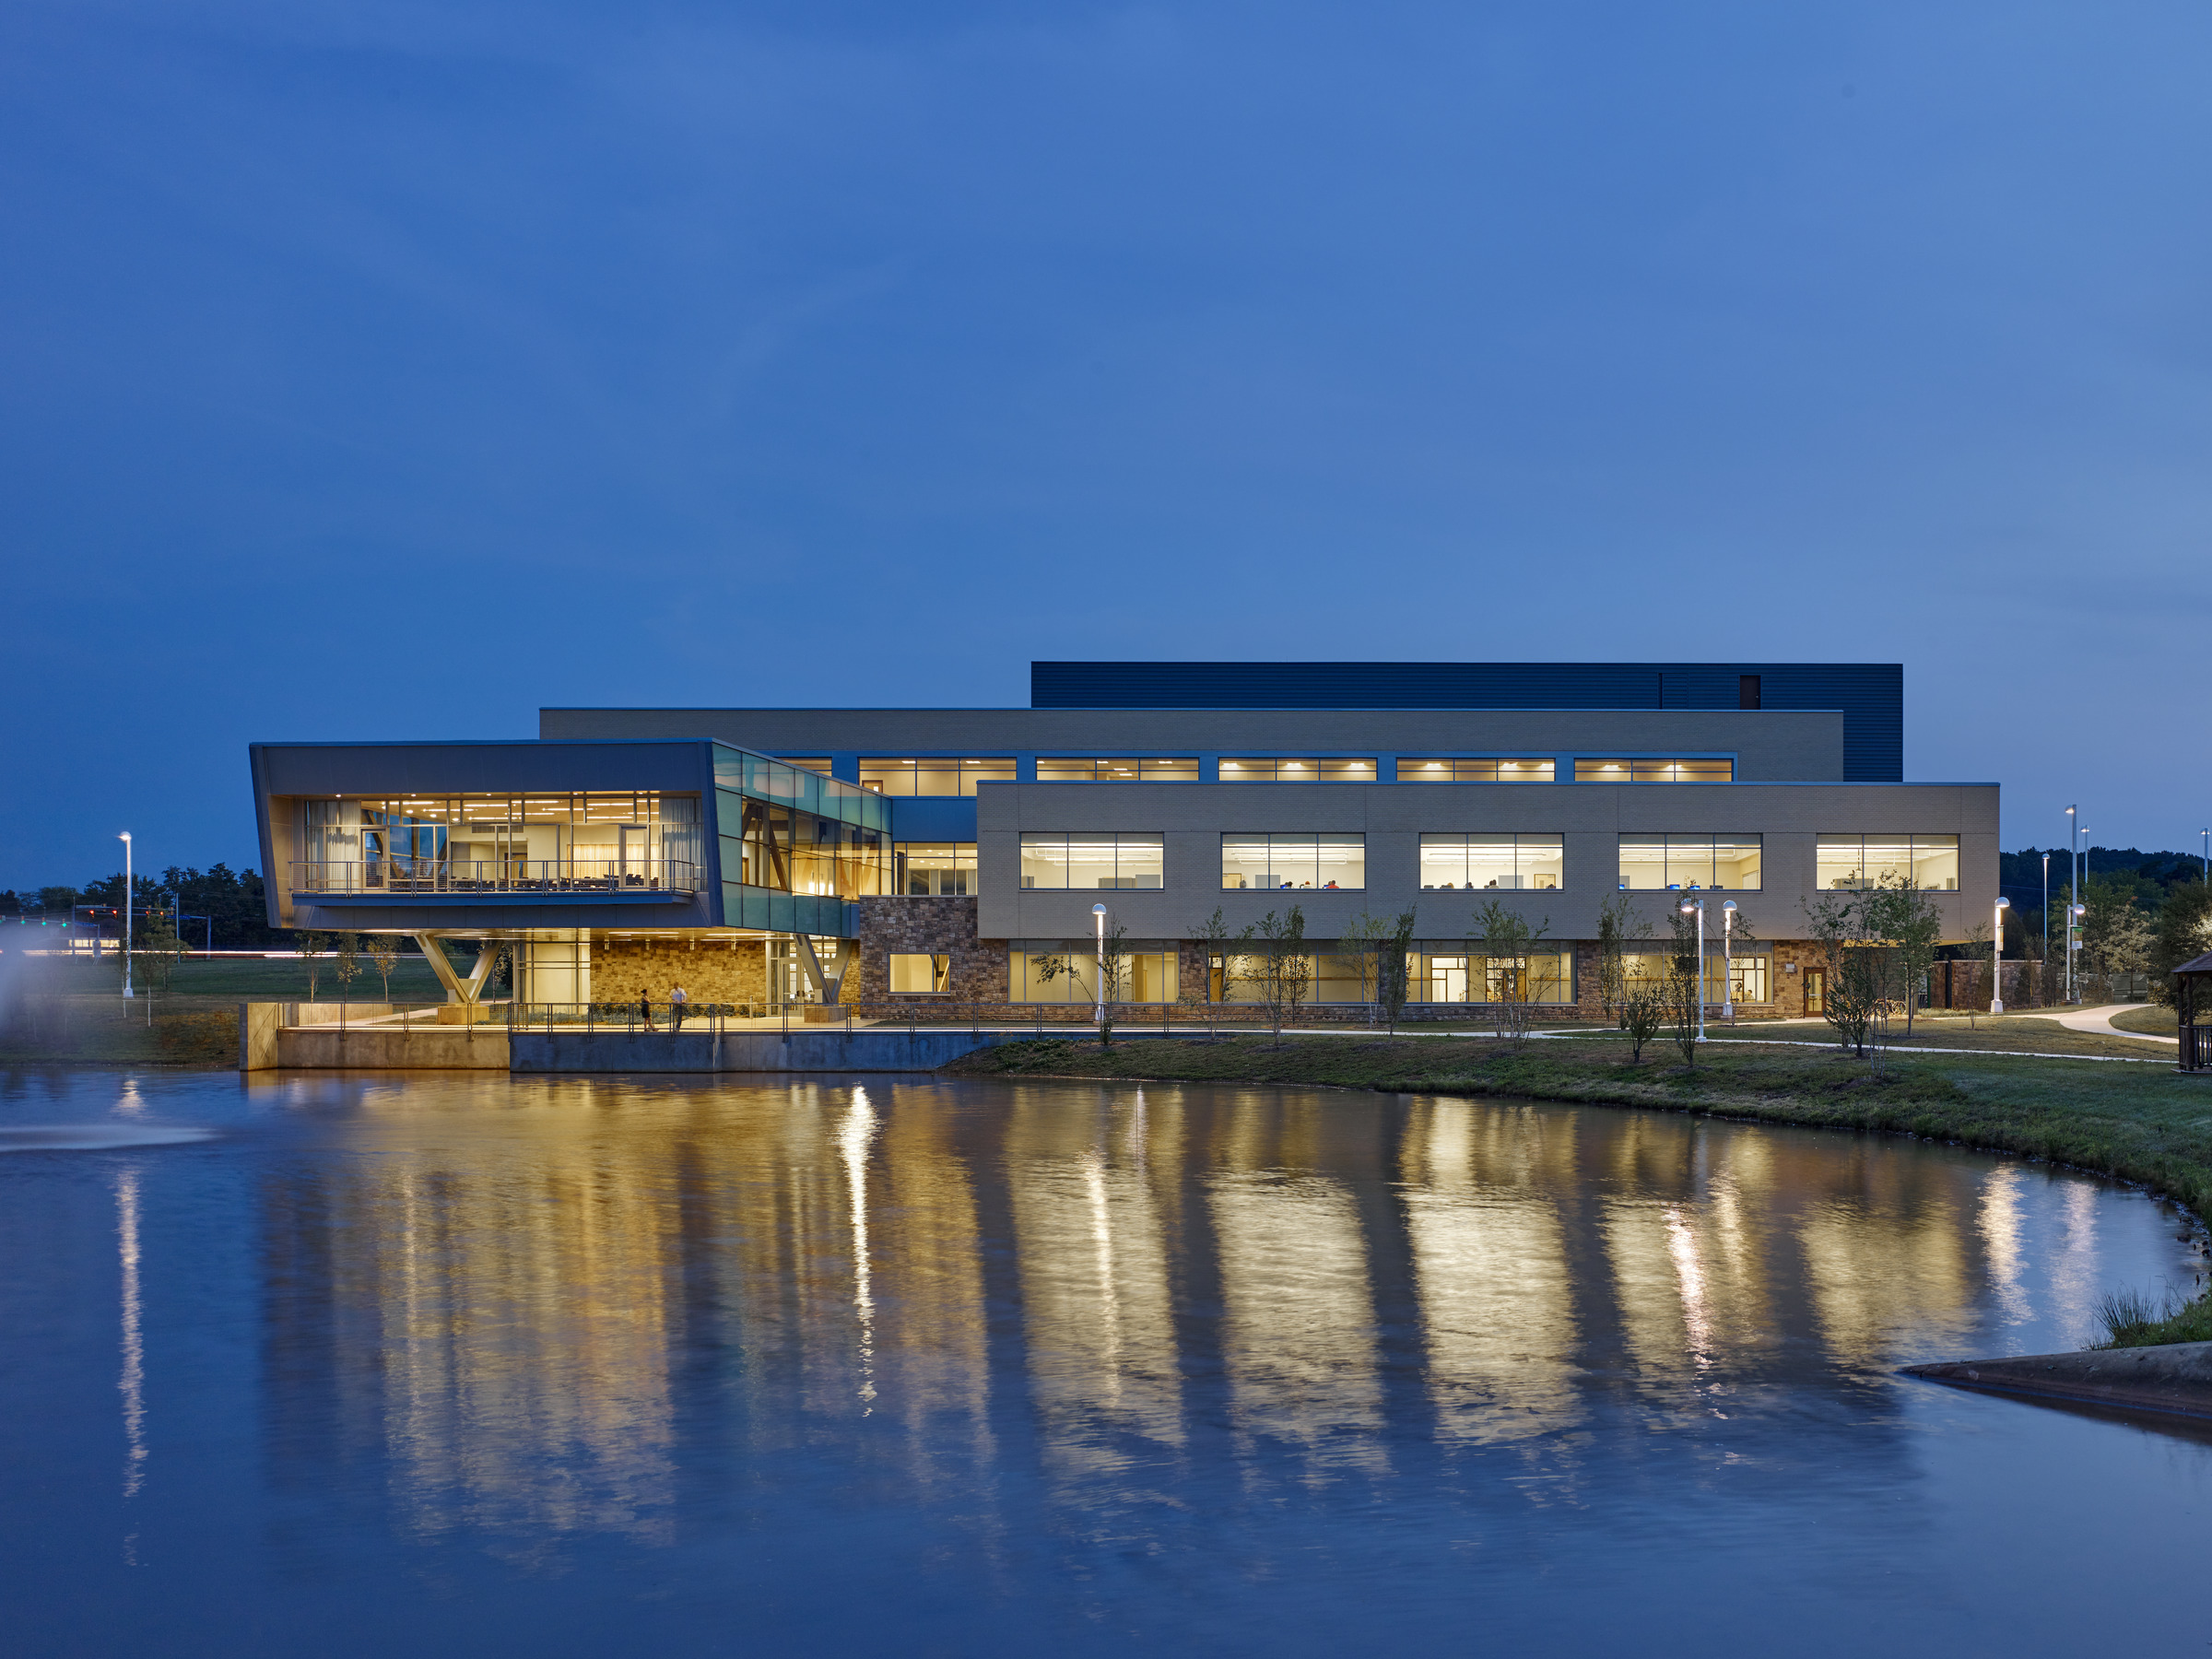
(391, 371)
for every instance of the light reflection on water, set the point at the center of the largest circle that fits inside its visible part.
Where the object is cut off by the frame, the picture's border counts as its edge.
(1098, 1362)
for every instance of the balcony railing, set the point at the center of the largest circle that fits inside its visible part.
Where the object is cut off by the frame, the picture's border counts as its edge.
(640, 877)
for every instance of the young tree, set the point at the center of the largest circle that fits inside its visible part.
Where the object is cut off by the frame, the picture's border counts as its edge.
(1114, 981)
(1394, 979)
(1227, 954)
(1836, 923)
(1285, 969)
(1907, 921)
(345, 961)
(383, 953)
(1364, 940)
(1619, 921)
(1508, 943)
(1641, 1011)
(1685, 983)
(312, 947)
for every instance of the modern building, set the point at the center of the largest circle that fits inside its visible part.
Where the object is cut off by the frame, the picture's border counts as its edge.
(771, 856)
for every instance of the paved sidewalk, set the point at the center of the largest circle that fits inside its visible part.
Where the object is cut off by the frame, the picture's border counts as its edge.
(2099, 1021)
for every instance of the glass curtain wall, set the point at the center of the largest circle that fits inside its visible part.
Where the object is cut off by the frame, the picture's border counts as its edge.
(1857, 860)
(1273, 861)
(1654, 772)
(1267, 768)
(785, 850)
(1079, 768)
(585, 839)
(1697, 860)
(1413, 770)
(1057, 860)
(1485, 861)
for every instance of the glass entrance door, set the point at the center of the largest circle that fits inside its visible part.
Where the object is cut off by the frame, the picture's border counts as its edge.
(1816, 990)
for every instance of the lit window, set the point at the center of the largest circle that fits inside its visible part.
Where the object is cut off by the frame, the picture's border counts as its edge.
(919, 975)
(1858, 860)
(931, 775)
(1247, 769)
(934, 869)
(1294, 862)
(1627, 771)
(1063, 768)
(1454, 862)
(1698, 860)
(1463, 771)
(1059, 860)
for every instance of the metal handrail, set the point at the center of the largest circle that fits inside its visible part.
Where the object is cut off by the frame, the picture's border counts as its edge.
(495, 876)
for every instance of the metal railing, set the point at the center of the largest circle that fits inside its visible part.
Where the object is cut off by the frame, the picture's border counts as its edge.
(635, 1017)
(2196, 1048)
(639, 875)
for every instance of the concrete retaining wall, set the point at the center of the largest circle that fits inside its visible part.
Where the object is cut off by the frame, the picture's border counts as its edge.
(389, 1049)
(801, 1051)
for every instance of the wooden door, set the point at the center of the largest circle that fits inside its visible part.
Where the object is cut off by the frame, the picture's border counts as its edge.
(1816, 990)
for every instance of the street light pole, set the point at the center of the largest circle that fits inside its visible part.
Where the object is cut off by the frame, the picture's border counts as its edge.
(2046, 921)
(1996, 966)
(2073, 894)
(1698, 906)
(126, 915)
(1728, 961)
(1098, 917)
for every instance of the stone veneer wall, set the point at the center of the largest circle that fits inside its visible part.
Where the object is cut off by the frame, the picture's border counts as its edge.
(710, 971)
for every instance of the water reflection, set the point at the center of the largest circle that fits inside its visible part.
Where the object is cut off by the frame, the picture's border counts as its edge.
(540, 1313)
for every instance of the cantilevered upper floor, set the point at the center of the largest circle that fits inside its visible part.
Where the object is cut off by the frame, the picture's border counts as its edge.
(472, 837)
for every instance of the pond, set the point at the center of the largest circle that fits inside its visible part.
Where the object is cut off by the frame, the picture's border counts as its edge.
(358, 1365)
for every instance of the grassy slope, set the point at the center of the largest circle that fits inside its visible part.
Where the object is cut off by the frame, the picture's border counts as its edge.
(2141, 1122)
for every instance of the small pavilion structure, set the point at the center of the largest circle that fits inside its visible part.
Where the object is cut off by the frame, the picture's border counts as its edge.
(2193, 993)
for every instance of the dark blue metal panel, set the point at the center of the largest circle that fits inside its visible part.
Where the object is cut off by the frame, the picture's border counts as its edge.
(1870, 695)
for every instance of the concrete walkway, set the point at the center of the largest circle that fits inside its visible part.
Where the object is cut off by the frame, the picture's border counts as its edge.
(2099, 1020)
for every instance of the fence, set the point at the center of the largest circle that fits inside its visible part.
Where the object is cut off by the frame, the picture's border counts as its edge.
(2196, 1048)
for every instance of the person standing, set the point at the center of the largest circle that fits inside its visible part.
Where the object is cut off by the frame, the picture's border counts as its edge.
(678, 999)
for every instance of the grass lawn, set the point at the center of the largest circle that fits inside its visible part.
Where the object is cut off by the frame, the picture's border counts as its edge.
(2144, 1123)
(70, 1010)
(2150, 1019)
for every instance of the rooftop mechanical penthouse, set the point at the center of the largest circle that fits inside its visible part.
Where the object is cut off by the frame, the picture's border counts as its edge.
(768, 857)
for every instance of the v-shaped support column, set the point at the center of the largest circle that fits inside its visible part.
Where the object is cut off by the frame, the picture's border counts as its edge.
(461, 989)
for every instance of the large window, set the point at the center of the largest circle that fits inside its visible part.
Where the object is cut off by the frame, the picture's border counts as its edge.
(934, 869)
(1654, 772)
(1293, 861)
(919, 975)
(1462, 974)
(1076, 768)
(932, 777)
(1701, 860)
(1647, 965)
(1491, 860)
(1057, 859)
(1044, 973)
(1864, 861)
(603, 840)
(1413, 770)
(1266, 770)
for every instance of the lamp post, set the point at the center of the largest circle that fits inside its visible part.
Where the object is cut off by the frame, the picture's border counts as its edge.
(1728, 961)
(1098, 918)
(2207, 854)
(1698, 905)
(2073, 893)
(2046, 921)
(1996, 964)
(126, 915)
